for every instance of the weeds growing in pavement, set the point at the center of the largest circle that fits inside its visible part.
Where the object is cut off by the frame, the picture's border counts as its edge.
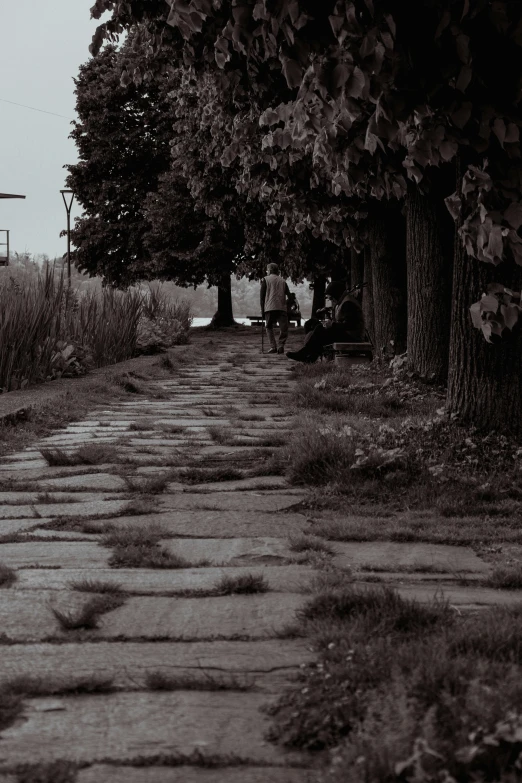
(220, 435)
(7, 576)
(172, 429)
(307, 543)
(271, 440)
(243, 584)
(329, 580)
(139, 506)
(151, 485)
(205, 476)
(271, 464)
(381, 610)
(209, 412)
(89, 615)
(140, 548)
(79, 525)
(264, 399)
(506, 577)
(202, 681)
(141, 425)
(90, 454)
(133, 556)
(97, 586)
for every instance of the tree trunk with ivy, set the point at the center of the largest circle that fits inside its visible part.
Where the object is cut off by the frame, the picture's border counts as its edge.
(386, 235)
(430, 232)
(485, 379)
(224, 315)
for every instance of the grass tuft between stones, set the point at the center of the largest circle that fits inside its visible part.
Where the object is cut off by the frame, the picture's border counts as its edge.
(153, 485)
(507, 577)
(136, 556)
(90, 454)
(97, 586)
(205, 476)
(243, 584)
(7, 576)
(89, 615)
(307, 543)
(140, 548)
(203, 681)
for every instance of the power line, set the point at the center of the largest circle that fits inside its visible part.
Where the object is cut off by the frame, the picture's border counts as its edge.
(42, 111)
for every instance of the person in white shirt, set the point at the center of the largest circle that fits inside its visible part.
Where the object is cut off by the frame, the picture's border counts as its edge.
(274, 297)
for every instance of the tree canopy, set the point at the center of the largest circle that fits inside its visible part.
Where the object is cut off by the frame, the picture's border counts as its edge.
(377, 93)
(122, 138)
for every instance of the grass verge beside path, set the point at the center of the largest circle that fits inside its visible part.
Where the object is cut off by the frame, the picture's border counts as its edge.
(371, 446)
(403, 692)
(407, 692)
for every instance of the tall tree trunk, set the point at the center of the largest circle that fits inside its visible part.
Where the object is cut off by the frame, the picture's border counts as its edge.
(429, 258)
(318, 300)
(367, 293)
(223, 315)
(387, 237)
(356, 267)
(485, 379)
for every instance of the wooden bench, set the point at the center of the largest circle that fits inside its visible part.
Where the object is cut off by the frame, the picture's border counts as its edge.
(349, 353)
(292, 318)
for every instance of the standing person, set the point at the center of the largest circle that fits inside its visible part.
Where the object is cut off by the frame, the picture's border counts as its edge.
(274, 295)
(347, 325)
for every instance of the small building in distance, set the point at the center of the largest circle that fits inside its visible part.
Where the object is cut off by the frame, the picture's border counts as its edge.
(4, 235)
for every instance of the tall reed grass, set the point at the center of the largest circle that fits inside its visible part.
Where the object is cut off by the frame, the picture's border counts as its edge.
(48, 330)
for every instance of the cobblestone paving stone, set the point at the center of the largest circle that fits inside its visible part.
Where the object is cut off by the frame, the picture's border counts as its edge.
(170, 621)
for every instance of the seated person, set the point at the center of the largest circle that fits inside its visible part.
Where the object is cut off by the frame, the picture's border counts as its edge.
(347, 325)
(292, 304)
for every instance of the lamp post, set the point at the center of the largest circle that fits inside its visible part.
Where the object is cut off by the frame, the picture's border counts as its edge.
(68, 205)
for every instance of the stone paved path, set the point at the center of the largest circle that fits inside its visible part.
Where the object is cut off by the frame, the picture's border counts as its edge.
(190, 669)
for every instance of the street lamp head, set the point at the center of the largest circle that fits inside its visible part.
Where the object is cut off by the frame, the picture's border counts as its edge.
(68, 203)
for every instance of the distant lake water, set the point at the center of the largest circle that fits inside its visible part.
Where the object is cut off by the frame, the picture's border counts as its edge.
(241, 319)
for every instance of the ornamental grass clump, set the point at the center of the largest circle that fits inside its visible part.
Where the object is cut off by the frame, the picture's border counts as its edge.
(107, 322)
(30, 327)
(49, 330)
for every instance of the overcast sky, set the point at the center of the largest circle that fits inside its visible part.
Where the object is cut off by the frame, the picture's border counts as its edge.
(42, 46)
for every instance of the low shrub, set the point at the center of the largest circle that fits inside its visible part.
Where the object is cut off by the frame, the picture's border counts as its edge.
(163, 323)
